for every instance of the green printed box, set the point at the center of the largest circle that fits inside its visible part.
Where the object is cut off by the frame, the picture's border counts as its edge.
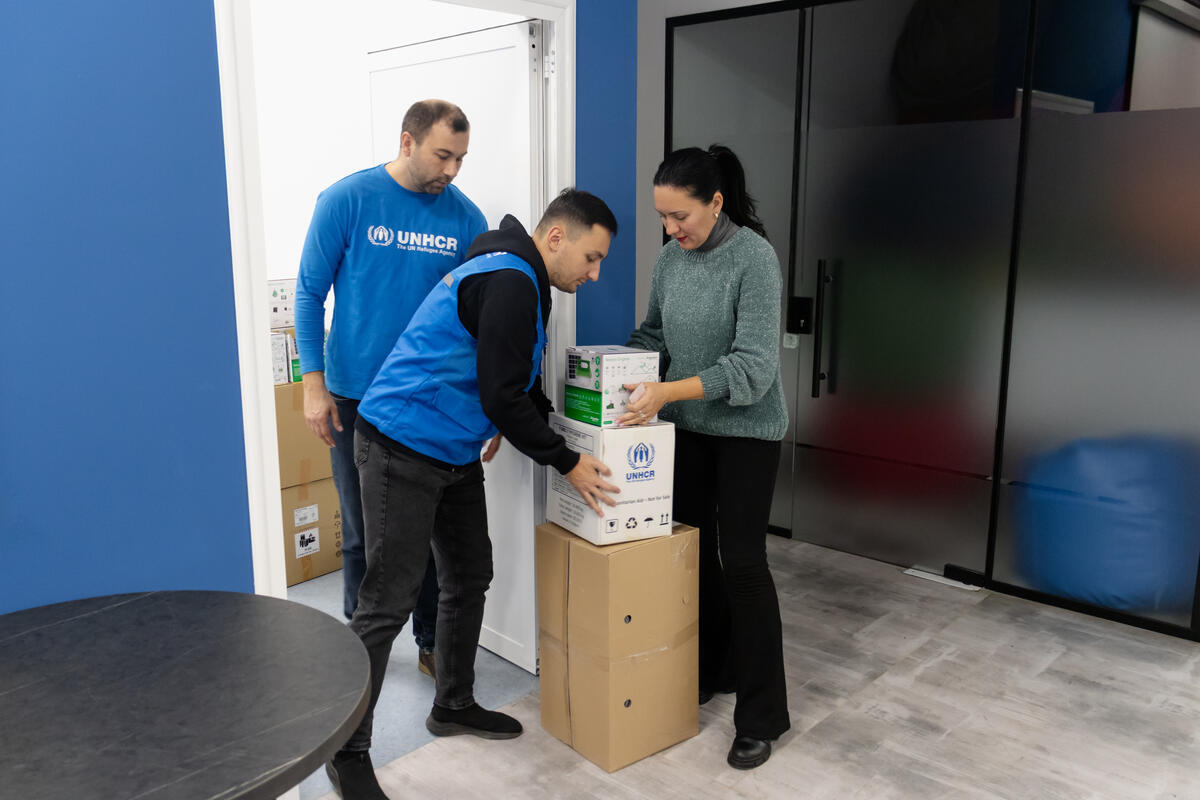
(595, 380)
(583, 405)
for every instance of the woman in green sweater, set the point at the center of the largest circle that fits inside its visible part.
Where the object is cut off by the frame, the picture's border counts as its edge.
(714, 317)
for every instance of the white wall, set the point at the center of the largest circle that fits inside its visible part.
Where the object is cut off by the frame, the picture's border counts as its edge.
(651, 99)
(314, 113)
(1166, 64)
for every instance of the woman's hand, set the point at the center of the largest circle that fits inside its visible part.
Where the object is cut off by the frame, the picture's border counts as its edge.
(644, 402)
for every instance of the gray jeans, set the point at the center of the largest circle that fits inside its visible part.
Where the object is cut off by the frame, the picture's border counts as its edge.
(407, 504)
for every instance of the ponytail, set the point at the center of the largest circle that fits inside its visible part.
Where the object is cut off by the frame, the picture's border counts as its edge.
(703, 172)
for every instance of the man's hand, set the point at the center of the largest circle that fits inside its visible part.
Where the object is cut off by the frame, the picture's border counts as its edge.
(319, 409)
(493, 445)
(588, 481)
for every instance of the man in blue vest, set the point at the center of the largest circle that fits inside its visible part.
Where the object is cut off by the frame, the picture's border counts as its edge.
(468, 366)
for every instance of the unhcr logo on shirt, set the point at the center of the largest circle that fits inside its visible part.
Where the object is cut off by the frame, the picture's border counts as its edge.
(640, 458)
(379, 235)
(416, 241)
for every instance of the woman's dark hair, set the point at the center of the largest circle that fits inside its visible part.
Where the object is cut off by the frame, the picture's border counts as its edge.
(703, 172)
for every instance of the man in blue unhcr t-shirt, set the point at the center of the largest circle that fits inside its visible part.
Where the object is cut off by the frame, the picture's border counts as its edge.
(381, 238)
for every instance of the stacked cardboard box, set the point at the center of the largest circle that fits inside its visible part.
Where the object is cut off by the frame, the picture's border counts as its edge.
(594, 385)
(285, 358)
(642, 460)
(312, 516)
(618, 643)
(642, 457)
(617, 611)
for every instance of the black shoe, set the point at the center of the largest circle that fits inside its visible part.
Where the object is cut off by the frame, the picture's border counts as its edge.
(425, 662)
(748, 753)
(353, 777)
(474, 720)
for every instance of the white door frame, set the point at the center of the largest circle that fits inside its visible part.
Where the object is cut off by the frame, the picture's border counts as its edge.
(235, 60)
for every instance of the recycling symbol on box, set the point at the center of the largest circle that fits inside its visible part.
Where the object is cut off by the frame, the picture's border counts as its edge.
(631, 522)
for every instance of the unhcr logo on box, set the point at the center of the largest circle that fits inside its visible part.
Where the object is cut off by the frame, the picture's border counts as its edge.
(641, 458)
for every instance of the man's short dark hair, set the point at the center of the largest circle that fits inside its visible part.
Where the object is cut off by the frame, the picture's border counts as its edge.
(578, 209)
(423, 115)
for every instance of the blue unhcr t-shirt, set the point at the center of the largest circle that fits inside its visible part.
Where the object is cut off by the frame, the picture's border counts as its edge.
(382, 248)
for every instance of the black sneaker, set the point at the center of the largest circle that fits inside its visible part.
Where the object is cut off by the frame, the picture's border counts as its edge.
(474, 720)
(353, 777)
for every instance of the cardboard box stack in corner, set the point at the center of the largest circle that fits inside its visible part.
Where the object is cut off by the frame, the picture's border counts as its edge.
(285, 358)
(312, 516)
(618, 643)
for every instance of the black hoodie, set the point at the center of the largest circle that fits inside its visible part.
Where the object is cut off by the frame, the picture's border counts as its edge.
(499, 309)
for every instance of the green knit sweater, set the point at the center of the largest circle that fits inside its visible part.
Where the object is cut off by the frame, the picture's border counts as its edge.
(716, 315)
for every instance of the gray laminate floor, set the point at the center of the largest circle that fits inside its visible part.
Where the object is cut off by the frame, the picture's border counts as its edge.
(899, 688)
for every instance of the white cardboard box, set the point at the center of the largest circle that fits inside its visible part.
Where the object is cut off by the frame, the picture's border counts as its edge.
(282, 294)
(642, 460)
(595, 380)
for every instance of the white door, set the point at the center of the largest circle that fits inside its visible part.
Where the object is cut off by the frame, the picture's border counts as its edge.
(495, 76)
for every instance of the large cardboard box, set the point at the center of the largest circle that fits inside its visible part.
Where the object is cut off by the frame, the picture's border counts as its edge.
(312, 530)
(642, 460)
(303, 458)
(594, 388)
(618, 643)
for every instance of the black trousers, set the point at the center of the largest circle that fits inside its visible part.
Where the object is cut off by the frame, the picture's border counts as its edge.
(723, 486)
(408, 504)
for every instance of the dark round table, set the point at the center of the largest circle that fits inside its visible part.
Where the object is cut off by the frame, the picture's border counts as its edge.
(173, 695)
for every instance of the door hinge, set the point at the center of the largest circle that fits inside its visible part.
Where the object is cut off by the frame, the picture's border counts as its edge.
(548, 64)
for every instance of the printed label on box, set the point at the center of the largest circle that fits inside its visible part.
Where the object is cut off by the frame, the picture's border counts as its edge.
(308, 543)
(305, 515)
(279, 358)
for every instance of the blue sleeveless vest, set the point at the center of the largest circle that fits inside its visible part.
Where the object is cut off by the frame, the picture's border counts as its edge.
(426, 394)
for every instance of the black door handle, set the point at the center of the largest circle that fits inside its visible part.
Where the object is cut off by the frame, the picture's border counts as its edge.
(823, 278)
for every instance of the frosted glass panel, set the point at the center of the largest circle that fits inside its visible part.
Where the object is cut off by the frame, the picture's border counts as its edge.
(910, 150)
(1102, 450)
(734, 83)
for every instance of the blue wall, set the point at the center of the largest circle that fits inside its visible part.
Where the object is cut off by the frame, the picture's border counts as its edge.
(605, 151)
(122, 464)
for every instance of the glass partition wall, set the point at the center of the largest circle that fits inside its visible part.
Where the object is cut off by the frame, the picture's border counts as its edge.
(1100, 497)
(986, 214)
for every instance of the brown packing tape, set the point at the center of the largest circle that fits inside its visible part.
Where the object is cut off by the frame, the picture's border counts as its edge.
(553, 641)
(687, 550)
(554, 689)
(298, 401)
(306, 470)
(603, 663)
(302, 490)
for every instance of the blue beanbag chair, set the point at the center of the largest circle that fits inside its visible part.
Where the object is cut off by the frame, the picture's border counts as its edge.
(1112, 522)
